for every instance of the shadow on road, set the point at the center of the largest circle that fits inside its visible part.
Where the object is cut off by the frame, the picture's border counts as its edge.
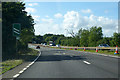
(59, 58)
(54, 50)
(48, 55)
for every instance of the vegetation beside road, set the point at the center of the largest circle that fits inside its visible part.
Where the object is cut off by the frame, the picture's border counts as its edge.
(107, 52)
(14, 12)
(15, 60)
(83, 38)
(10, 64)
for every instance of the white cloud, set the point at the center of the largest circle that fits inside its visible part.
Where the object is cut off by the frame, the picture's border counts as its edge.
(47, 25)
(86, 11)
(58, 15)
(32, 4)
(30, 10)
(106, 11)
(36, 18)
(43, 28)
(47, 20)
(73, 20)
(47, 16)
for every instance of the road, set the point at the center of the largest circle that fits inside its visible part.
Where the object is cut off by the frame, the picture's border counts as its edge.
(59, 63)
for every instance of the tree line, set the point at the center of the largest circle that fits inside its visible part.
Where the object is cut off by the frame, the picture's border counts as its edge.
(14, 12)
(83, 38)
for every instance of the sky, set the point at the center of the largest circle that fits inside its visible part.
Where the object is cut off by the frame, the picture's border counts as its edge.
(61, 17)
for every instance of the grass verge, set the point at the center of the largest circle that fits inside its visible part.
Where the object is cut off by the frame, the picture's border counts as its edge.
(13, 61)
(107, 52)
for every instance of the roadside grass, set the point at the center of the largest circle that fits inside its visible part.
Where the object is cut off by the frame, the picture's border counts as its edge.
(10, 64)
(107, 52)
(13, 61)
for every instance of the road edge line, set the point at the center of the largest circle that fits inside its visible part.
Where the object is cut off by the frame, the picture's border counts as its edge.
(20, 72)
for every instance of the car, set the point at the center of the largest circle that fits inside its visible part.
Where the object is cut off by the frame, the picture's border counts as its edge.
(38, 47)
(51, 44)
(103, 45)
(57, 45)
(45, 44)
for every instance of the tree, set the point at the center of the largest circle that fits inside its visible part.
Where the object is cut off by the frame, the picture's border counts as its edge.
(84, 37)
(14, 12)
(71, 32)
(116, 39)
(38, 39)
(79, 33)
(47, 35)
(95, 35)
(105, 40)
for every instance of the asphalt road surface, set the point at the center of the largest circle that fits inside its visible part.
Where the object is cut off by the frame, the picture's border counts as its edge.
(59, 63)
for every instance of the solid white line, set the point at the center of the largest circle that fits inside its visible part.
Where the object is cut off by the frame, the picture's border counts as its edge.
(21, 71)
(86, 62)
(30, 64)
(33, 62)
(16, 75)
(24, 69)
(27, 66)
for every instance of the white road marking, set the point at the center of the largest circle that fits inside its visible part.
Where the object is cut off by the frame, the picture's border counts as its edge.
(86, 62)
(27, 66)
(21, 71)
(24, 69)
(33, 62)
(16, 75)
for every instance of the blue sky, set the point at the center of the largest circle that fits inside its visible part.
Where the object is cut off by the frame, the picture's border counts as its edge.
(56, 17)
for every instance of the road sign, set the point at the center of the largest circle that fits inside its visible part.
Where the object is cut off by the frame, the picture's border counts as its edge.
(16, 29)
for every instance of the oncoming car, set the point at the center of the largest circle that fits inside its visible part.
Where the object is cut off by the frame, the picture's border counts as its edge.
(57, 45)
(103, 45)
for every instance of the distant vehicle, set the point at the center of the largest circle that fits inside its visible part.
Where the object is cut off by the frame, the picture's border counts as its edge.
(51, 43)
(57, 45)
(45, 44)
(34, 42)
(103, 45)
(38, 47)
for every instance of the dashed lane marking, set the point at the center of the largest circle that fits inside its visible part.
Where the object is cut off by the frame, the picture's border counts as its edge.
(86, 62)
